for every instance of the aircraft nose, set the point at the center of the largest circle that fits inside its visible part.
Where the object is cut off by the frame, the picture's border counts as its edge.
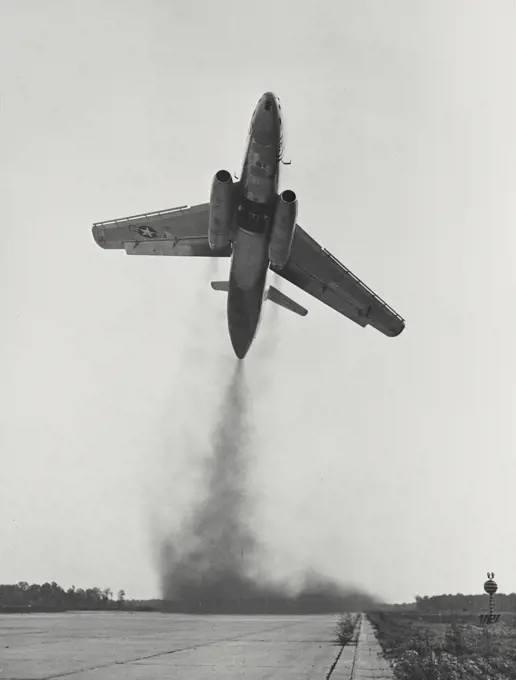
(266, 121)
(268, 102)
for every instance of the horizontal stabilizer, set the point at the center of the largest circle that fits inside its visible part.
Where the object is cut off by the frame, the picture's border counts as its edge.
(220, 285)
(275, 295)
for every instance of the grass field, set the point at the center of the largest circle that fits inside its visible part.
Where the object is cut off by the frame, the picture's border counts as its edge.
(447, 647)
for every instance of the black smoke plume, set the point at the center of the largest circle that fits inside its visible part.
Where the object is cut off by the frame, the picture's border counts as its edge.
(208, 561)
(206, 569)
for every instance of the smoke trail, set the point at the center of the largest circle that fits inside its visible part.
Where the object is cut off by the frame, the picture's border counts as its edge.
(209, 558)
(208, 562)
(206, 566)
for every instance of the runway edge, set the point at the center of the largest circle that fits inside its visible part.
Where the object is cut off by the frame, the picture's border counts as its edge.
(367, 661)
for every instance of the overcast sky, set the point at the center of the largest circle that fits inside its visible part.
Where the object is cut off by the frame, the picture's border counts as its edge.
(389, 463)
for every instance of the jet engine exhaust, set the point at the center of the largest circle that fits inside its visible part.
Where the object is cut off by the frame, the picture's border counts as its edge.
(206, 568)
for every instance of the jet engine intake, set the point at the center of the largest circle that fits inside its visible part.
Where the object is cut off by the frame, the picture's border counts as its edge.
(283, 227)
(221, 210)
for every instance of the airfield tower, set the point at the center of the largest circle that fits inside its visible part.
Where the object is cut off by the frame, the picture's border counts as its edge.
(490, 587)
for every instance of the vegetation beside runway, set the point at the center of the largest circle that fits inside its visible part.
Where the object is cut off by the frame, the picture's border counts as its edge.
(346, 626)
(452, 646)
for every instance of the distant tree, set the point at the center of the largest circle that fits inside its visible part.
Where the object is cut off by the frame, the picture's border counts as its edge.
(93, 598)
(80, 598)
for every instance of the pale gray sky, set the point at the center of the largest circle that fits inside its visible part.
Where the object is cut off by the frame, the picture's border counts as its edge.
(387, 463)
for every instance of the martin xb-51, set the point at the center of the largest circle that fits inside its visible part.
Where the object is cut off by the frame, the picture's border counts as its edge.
(250, 222)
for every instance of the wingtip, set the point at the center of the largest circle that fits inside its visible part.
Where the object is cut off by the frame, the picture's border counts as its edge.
(98, 236)
(398, 331)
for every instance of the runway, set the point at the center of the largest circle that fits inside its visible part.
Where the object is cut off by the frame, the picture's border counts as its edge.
(148, 646)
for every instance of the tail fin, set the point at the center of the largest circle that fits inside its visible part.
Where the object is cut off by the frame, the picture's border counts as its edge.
(275, 295)
(220, 285)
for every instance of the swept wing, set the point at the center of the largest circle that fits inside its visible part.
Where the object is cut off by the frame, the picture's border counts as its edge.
(179, 231)
(318, 272)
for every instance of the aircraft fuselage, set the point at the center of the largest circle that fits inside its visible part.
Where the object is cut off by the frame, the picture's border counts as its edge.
(254, 223)
(255, 206)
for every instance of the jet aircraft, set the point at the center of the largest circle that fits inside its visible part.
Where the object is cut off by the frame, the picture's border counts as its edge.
(250, 222)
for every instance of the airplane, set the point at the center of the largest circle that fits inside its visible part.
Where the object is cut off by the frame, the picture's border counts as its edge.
(250, 222)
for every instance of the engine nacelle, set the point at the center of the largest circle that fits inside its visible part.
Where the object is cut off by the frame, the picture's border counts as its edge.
(221, 210)
(283, 227)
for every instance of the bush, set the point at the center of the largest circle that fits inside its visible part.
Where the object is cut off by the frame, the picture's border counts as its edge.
(345, 627)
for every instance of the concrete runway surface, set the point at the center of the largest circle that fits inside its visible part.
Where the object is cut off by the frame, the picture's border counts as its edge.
(144, 646)
(140, 646)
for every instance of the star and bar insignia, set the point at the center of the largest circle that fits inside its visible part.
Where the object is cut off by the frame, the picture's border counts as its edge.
(145, 231)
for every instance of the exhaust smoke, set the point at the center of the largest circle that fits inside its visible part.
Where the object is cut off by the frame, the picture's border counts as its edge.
(210, 564)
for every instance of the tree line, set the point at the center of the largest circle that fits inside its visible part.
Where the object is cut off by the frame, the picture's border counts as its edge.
(465, 603)
(50, 596)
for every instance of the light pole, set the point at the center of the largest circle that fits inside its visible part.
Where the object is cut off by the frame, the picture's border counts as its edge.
(490, 587)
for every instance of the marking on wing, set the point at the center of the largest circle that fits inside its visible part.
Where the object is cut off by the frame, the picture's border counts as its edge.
(145, 231)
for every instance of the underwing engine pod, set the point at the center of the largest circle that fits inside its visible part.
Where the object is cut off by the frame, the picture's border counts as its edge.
(283, 227)
(221, 210)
